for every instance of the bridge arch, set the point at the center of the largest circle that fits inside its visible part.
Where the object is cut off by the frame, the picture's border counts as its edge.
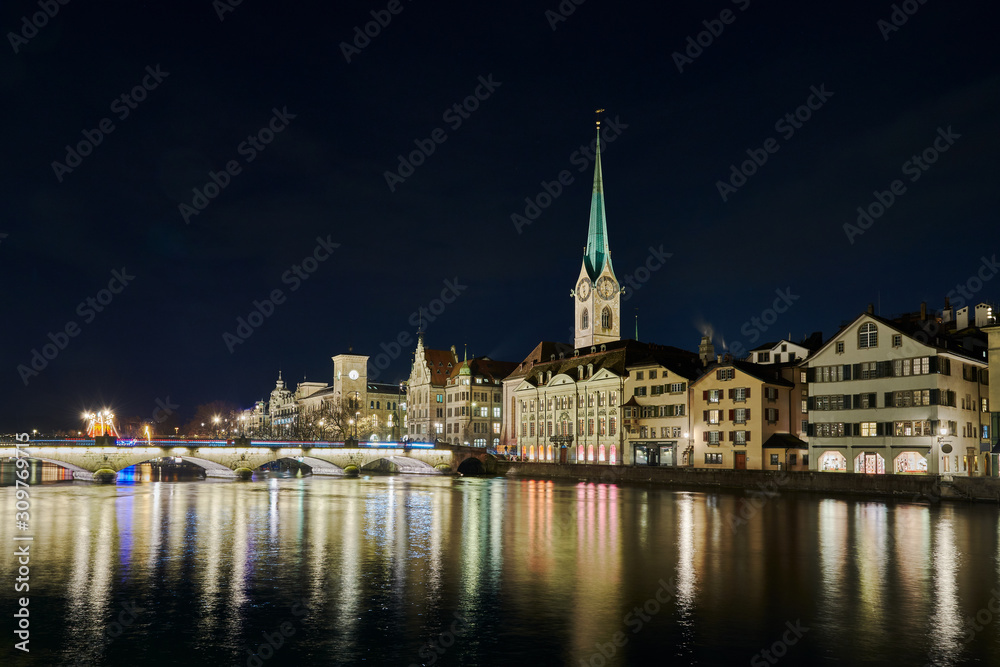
(400, 464)
(318, 466)
(471, 466)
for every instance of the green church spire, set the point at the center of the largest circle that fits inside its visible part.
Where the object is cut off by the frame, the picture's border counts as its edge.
(598, 253)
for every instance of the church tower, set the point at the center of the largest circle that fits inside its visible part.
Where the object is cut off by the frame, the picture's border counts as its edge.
(597, 296)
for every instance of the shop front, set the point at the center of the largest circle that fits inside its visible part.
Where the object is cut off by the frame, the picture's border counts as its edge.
(658, 453)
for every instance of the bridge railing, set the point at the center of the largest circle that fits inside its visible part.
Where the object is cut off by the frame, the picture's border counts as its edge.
(238, 442)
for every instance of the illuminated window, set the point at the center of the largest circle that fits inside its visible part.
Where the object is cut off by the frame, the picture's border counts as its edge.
(868, 430)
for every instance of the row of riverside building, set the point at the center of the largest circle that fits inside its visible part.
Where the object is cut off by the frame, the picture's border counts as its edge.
(902, 395)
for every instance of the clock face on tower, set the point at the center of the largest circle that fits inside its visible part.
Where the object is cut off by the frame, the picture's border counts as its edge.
(353, 375)
(583, 289)
(606, 287)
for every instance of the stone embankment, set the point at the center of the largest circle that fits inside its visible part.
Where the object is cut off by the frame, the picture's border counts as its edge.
(921, 488)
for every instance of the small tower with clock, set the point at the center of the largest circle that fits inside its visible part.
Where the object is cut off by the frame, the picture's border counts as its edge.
(597, 295)
(350, 379)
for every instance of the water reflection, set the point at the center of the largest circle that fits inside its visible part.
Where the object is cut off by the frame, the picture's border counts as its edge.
(541, 572)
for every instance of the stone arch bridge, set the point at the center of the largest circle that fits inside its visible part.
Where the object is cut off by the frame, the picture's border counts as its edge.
(101, 460)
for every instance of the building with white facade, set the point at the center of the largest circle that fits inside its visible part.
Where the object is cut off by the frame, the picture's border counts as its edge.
(886, 397)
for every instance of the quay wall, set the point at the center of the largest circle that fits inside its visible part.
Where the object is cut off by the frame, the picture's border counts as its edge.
(924, 488)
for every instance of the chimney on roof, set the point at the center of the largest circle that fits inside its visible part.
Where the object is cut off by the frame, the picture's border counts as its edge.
(706, 351)
(871, 308)
(948, 314)
(923, 311)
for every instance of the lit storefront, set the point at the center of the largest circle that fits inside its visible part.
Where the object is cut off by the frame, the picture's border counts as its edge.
(662, 453)
(910, 463)
(869, 463)
(832, 461)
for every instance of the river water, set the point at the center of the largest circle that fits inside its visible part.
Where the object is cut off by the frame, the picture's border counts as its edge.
(407, 570)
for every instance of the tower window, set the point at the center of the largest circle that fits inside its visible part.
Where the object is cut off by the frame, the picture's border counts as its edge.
(606, 318)
(585, 319)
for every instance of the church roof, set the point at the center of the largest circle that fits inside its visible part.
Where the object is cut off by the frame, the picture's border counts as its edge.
(618, 357)
(598, 252)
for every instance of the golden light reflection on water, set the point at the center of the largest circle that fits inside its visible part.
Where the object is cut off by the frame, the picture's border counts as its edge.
(551, 566)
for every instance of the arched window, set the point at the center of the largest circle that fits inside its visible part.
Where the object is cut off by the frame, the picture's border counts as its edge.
(378, 405)
(868, 335)
(606, 318)
(579, 454)
(372, 407)
(614, 455)
(585, 319)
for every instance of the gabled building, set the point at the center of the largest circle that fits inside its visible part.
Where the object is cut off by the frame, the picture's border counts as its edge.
(888, 397)
(785, 351)
(739, 406)
(425, 391)
(565, 404)
(657, 412)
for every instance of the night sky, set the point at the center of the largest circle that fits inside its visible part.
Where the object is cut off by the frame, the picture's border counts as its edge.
(880, 95)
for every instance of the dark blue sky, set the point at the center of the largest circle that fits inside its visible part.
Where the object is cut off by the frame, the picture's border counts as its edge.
(342, 125)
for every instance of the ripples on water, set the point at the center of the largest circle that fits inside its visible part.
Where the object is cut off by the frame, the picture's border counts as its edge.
(381, 570)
